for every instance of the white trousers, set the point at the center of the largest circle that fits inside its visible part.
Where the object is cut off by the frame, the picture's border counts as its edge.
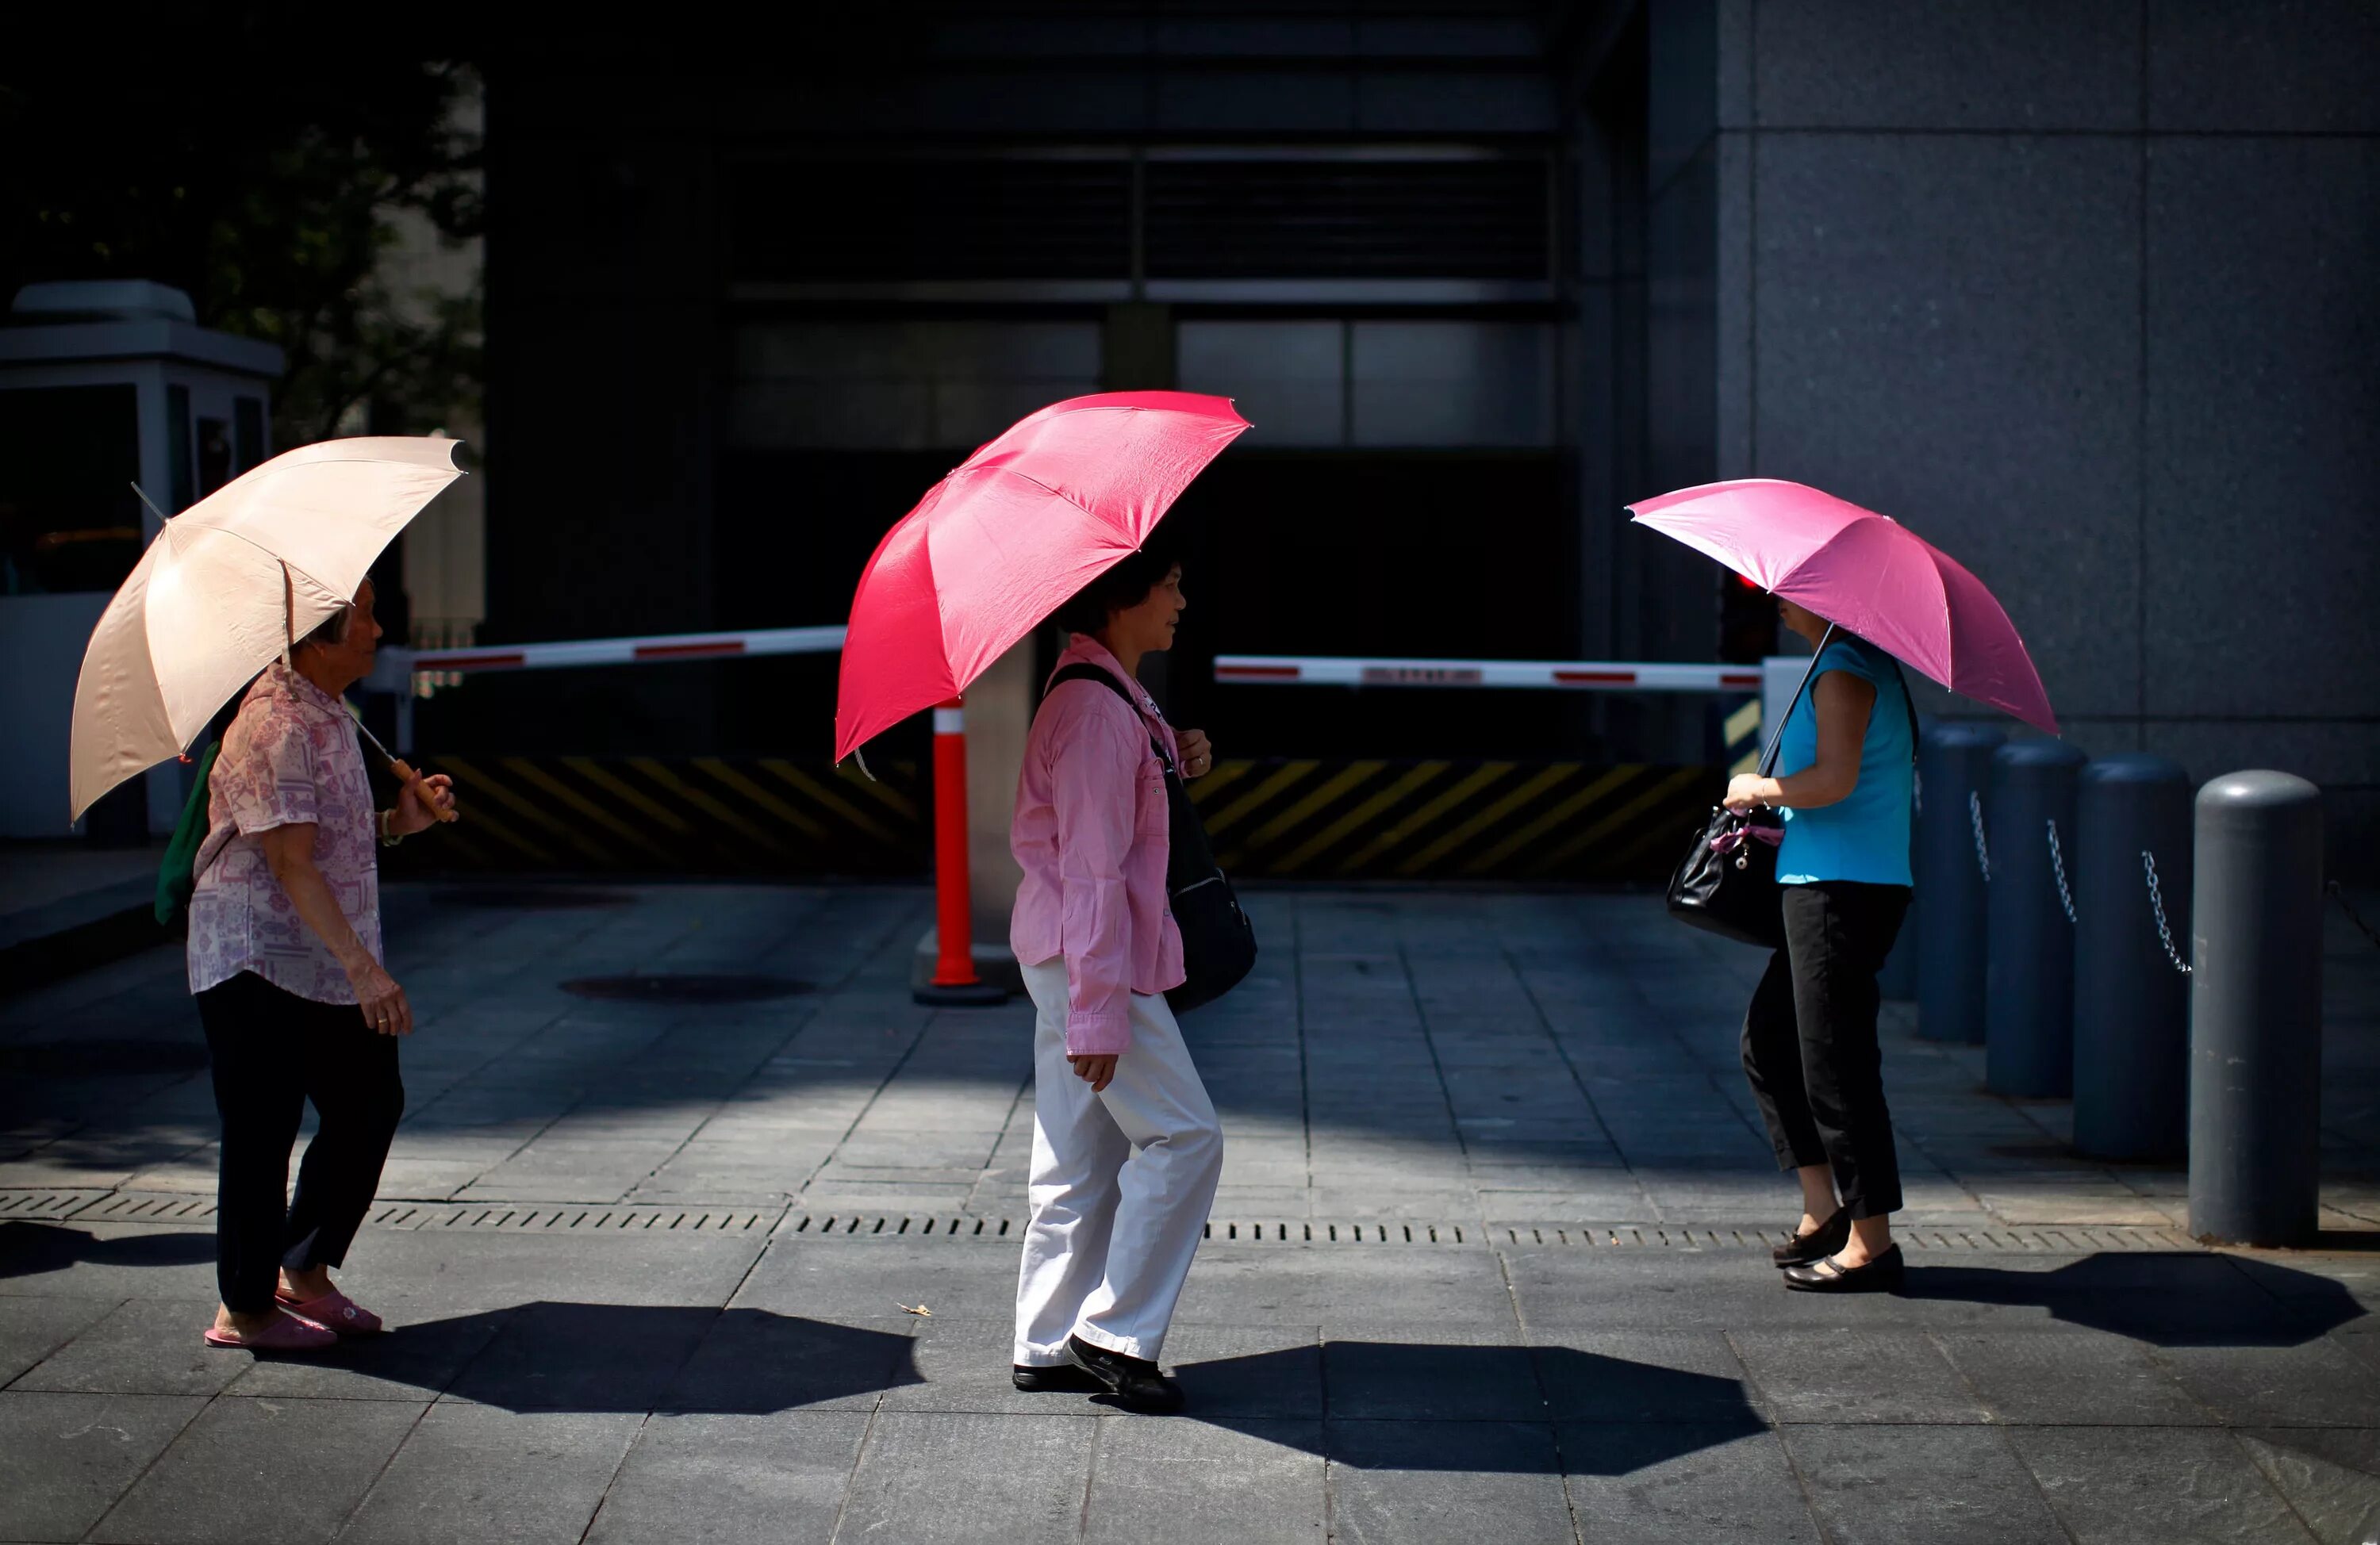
(1120, 1185)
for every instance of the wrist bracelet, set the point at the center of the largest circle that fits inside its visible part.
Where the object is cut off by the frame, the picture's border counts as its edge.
(389, 835)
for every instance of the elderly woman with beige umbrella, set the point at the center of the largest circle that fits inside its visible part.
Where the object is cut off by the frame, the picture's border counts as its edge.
(285, 948)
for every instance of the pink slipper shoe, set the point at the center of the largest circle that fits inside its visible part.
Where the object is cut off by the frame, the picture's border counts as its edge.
(335, 1312)
(287, 1332)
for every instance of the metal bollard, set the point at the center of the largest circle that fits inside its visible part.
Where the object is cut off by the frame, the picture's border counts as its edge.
(2132, 862)
(1897, 981)
(2029, 980)
(1954, 764)
(2255, 1012)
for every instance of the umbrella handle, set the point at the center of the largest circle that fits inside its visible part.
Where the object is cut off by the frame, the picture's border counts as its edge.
(406, 776)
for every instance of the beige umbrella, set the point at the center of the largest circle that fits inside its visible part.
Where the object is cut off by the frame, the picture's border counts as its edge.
(226, 586)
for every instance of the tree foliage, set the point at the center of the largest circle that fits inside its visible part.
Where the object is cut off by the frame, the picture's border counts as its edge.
(265, 159)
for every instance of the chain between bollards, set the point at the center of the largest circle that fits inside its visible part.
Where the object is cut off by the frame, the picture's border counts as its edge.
(2156, 905)
(2338, 894)
(2058, 869)
(1983, 853)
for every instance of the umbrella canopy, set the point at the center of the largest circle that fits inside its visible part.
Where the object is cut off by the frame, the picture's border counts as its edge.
(227, 582)
(1002, 542)
(1866, 573)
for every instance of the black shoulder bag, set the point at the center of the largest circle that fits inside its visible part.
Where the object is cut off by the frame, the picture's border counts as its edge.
(1219, 947)
(1726, 882)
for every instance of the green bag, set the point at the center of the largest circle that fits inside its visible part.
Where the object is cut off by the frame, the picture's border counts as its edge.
(177, 876)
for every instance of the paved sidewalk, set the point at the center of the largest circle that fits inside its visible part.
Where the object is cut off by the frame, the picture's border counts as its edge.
(1488, 1263)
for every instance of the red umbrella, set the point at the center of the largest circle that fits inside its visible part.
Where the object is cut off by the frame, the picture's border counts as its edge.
(1863, 571)
(1002, 542)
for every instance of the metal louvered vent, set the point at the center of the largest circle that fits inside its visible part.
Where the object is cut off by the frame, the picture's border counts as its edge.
(1348, 219)
(901, 220)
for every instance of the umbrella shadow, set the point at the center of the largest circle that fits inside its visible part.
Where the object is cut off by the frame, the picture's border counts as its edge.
(1545, 1410)
(550, 1356)
(32, 1249)
(2164, 1299)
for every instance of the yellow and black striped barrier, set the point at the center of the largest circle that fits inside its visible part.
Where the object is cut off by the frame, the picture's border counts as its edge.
(1279, 819)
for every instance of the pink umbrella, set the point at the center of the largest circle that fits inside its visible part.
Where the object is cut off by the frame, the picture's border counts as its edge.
(1866, 573)
(1004, 541)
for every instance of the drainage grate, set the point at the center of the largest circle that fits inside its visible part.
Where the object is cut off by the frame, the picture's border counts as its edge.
(661, 988)
(150, 1207)
(2036, 1241)
(538, 1219)
(47, 1204)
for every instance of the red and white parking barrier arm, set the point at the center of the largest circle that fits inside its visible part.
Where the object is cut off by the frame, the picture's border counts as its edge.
(648, 650)
(1548, 675)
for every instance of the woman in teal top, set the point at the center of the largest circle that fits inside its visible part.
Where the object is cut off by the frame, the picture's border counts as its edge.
(1809, 1039)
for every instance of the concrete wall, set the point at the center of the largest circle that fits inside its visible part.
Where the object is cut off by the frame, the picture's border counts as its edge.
(2083, 291)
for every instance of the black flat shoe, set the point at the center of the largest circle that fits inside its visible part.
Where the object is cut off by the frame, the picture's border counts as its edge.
(1816, 1245)
(1135, 1382)
(1064, 1379)
(1882, 1274)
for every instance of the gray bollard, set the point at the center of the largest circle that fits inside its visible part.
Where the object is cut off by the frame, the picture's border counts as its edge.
(2029, 980)
(2132, 978)
(1897, 981)
(2255, 1012)
(1954, 767)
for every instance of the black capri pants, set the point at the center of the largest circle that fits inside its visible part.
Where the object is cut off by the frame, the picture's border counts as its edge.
(271, 1052)
(1810, 1044)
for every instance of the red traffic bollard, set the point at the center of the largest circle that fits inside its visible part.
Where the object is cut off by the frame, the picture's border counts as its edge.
(955, 983)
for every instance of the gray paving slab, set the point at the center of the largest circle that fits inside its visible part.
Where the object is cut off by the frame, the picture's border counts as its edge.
(1254, 1482)
(66, 1458)
(1855, 1375)
(2309, 1385)
(482, 1270)
(2145, 1488)
(1684, 1484)
(32, 1329)
(232, 1477)
(872, 1280)
(1430, 1372)
(142, 1346)
(1944, 1485)
(2330, 1479)
(1393, 1482)
(936, 1476)
(563, 1355)
(1633, 1376)
(707, 1479)
(1347, 1288)
(468, 1474)
(2072, 1377)
(755, 1361)
(105, 1262)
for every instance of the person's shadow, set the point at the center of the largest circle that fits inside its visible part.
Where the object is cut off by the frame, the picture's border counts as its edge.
(2164, 1299)
(550, 1356)
(32, 1249)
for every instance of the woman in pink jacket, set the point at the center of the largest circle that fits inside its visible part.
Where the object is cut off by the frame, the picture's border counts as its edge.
(1125, 1146)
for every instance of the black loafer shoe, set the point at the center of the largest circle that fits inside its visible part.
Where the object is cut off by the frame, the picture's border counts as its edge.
(1819, 1243)
(1135, 1382)
(1063, 1379)
(1882, 1274)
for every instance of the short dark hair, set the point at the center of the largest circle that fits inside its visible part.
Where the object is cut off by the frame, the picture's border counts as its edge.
(1120, 589)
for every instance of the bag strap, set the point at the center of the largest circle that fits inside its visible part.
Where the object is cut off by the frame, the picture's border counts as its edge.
(1777, 736)
(1087, 672)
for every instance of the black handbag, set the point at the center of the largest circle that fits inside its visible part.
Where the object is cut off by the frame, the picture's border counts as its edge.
(1726, 882)
(1219, 945)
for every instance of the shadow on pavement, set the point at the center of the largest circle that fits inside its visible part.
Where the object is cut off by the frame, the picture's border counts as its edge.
(2167, 1299)
(30, 1249)
(1417, 1407)
(572, 1356)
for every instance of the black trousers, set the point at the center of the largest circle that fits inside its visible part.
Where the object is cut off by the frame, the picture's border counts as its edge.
(271, 1051)
(1809, 1040)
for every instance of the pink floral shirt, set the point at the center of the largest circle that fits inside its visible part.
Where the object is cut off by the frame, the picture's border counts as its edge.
(1091, 831)
(291, 756)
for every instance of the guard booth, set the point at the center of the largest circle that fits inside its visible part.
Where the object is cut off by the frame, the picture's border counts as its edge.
(102, 384)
